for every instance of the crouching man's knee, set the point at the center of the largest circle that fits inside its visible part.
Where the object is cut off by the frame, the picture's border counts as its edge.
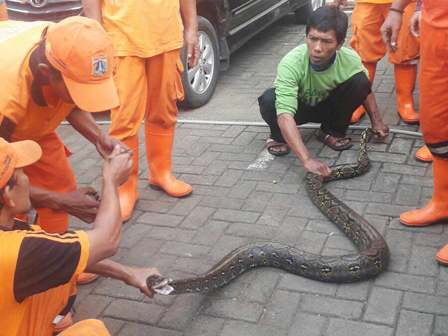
(267, 103)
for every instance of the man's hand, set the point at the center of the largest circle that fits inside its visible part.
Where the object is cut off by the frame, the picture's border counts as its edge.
(107, 143)
(317, 167)
(137, 278)
(82, 203)
(118, 165)
(340, 4)
(389, 30)
(192, 42)
(381, 128)
(415, 23)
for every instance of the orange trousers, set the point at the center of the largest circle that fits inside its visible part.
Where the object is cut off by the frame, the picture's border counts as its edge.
(3, 12)
(146, 86)
(367, 19)
(433, 86)
(53, 173)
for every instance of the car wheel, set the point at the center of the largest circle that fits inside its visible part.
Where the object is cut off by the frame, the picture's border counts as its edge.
(200, 82)
(303, 13)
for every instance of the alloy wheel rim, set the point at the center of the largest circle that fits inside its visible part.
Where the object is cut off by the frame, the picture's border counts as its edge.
(201, 75)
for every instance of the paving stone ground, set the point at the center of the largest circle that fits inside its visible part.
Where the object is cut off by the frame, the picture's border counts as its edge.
(233, 204)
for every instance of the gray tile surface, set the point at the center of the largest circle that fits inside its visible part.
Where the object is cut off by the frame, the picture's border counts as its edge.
(233, 205)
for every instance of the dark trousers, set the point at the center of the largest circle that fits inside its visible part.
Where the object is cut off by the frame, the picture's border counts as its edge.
(333, 113)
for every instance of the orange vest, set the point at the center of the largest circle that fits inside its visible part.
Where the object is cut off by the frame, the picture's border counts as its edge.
(143, 28)
(17, 41)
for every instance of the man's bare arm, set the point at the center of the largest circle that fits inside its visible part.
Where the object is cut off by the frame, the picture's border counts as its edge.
(104, 238)
(84, 123)
(374, 115)
(92, 9)
(188, 9)
(294, 140)
(130, 275)
(392, 25)
(80, 203)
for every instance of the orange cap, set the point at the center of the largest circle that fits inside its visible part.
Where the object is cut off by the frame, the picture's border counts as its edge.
(16, 155)
(83, 52)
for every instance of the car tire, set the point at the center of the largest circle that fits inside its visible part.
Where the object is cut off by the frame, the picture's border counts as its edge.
(304, 12)
(200, 82)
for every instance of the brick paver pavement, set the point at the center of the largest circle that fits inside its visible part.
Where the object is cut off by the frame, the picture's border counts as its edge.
(236, 202)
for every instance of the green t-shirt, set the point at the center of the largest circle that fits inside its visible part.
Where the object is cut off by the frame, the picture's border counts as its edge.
(296, 79)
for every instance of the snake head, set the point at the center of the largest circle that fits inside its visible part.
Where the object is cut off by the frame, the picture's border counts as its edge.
(155, 281)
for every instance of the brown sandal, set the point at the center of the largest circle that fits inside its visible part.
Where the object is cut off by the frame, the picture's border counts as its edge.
(334, 143)
(271, 144)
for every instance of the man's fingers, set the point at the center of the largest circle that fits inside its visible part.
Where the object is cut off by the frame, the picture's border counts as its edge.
(393, 40)
(115, 152)
(89, 191)
(189, 52)
(415, 28)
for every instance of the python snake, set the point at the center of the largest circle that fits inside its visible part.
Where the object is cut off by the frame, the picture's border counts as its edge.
(372, 258)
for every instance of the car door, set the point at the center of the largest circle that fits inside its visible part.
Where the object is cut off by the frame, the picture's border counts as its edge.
(244, 12)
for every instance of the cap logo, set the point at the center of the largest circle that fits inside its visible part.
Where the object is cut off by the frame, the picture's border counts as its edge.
(7, 164)
(99, 66)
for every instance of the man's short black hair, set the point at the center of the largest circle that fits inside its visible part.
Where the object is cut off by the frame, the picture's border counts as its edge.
(328, 18)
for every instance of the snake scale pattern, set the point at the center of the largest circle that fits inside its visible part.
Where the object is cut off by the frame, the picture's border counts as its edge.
(372, 258)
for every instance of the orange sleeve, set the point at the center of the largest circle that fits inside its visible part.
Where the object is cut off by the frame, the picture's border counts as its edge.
(46, 261)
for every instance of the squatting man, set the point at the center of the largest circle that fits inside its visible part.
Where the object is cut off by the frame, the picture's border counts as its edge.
(323, 82)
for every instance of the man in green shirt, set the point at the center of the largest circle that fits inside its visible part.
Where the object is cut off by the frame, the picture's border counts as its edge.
(323, 82)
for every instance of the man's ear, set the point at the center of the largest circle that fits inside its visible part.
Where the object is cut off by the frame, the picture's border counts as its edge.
(44, 71)
(340, 45)
(7, 198)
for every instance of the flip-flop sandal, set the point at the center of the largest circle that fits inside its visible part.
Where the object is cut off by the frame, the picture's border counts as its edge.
(333, 142)
(271, 144)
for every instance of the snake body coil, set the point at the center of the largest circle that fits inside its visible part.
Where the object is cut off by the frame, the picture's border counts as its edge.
(372, 258)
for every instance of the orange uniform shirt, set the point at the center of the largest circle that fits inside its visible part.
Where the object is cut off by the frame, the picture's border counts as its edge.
(37, 277)
(143, 28)
(32, 119)
(435, 13)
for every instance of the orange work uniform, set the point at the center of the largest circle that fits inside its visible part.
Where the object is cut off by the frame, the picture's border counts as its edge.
(3, 12)
(29, 113)
(434, 76)
(147, 38)
(367, 19)
(37, 277)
